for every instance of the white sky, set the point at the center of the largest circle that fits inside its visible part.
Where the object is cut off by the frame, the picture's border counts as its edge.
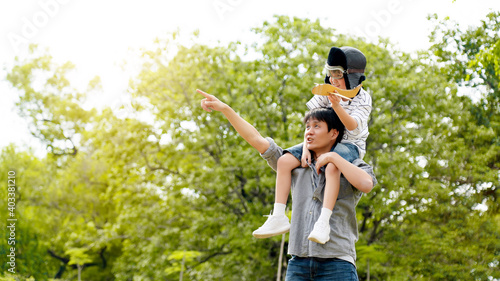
(97, 36)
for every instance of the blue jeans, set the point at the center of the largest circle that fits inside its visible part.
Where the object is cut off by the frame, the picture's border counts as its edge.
(316, 269)
(348, 151)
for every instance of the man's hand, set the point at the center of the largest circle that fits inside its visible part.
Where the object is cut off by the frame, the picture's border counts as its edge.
(211, 102)
(324, 159)
(357, 177)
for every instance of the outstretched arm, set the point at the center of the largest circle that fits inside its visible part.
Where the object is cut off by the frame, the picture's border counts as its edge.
(356, 176)
(245, 129)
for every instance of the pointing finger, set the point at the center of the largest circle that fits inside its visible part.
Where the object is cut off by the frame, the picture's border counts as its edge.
(206, 95)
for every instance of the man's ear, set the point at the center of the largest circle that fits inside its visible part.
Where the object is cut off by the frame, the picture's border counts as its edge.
(334, 134)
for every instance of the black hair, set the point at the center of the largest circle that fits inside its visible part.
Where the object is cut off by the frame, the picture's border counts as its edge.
(328, 115)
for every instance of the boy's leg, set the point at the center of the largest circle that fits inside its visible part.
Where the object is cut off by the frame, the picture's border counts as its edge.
(278, 222)
(321, 231)
(286, 164)
(332, 186)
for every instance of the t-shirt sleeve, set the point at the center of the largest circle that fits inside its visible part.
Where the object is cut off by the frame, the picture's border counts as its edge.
(367, 168)
(361, 113)
(318, 101)
(272, 154)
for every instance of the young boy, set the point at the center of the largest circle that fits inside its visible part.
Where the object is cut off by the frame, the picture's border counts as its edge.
(345, 68)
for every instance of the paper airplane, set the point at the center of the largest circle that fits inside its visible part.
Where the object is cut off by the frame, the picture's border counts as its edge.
(327, 89)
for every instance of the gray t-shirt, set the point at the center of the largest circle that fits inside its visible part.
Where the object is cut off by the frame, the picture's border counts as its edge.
(307, 196)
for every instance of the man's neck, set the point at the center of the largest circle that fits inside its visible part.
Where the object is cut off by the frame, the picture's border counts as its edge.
(319, 152)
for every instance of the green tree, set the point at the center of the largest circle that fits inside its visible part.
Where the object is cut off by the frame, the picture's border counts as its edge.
(445, 169)
(31, 175)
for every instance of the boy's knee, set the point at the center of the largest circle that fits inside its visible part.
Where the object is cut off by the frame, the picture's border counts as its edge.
(288, 161)
(331, 169)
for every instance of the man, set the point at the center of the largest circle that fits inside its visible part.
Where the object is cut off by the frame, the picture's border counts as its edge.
(334, 260)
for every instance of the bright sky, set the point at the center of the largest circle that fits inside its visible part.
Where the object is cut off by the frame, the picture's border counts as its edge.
(97, 36)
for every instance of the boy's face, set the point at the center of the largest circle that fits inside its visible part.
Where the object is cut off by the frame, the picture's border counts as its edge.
(339, 83)
(317, 136)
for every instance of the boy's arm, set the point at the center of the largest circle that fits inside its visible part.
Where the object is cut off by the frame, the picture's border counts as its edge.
(245, 129)
(349, 122)
(306, 155)
(356, 176)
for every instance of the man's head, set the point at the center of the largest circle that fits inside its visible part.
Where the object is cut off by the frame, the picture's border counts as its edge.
(323, 129)
(345, 67)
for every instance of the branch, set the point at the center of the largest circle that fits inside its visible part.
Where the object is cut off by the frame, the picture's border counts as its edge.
(242, 193)
(54, 255)
(66, 261)
(366, 215)
(374, 234)
(224, 202)
(213, 255)
(101, 254)
(158, 167)
(62, 268)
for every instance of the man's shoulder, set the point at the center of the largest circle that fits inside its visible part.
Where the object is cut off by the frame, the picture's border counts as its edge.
(360, 163)
(366, 167)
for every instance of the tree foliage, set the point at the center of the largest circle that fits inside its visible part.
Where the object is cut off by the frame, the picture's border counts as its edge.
(166, 189)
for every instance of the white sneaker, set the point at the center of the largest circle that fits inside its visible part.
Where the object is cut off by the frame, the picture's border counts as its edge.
(320, 233)
(274, 225)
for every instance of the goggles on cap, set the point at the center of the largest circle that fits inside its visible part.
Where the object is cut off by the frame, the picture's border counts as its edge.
(336, 72)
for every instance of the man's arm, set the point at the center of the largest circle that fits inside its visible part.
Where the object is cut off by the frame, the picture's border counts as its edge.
(356, 176)
(245, 129)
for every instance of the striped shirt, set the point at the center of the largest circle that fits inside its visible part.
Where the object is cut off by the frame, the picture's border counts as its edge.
(359, 108)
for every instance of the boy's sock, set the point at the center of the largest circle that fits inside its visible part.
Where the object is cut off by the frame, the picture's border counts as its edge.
(279, 209)
(325, 215)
